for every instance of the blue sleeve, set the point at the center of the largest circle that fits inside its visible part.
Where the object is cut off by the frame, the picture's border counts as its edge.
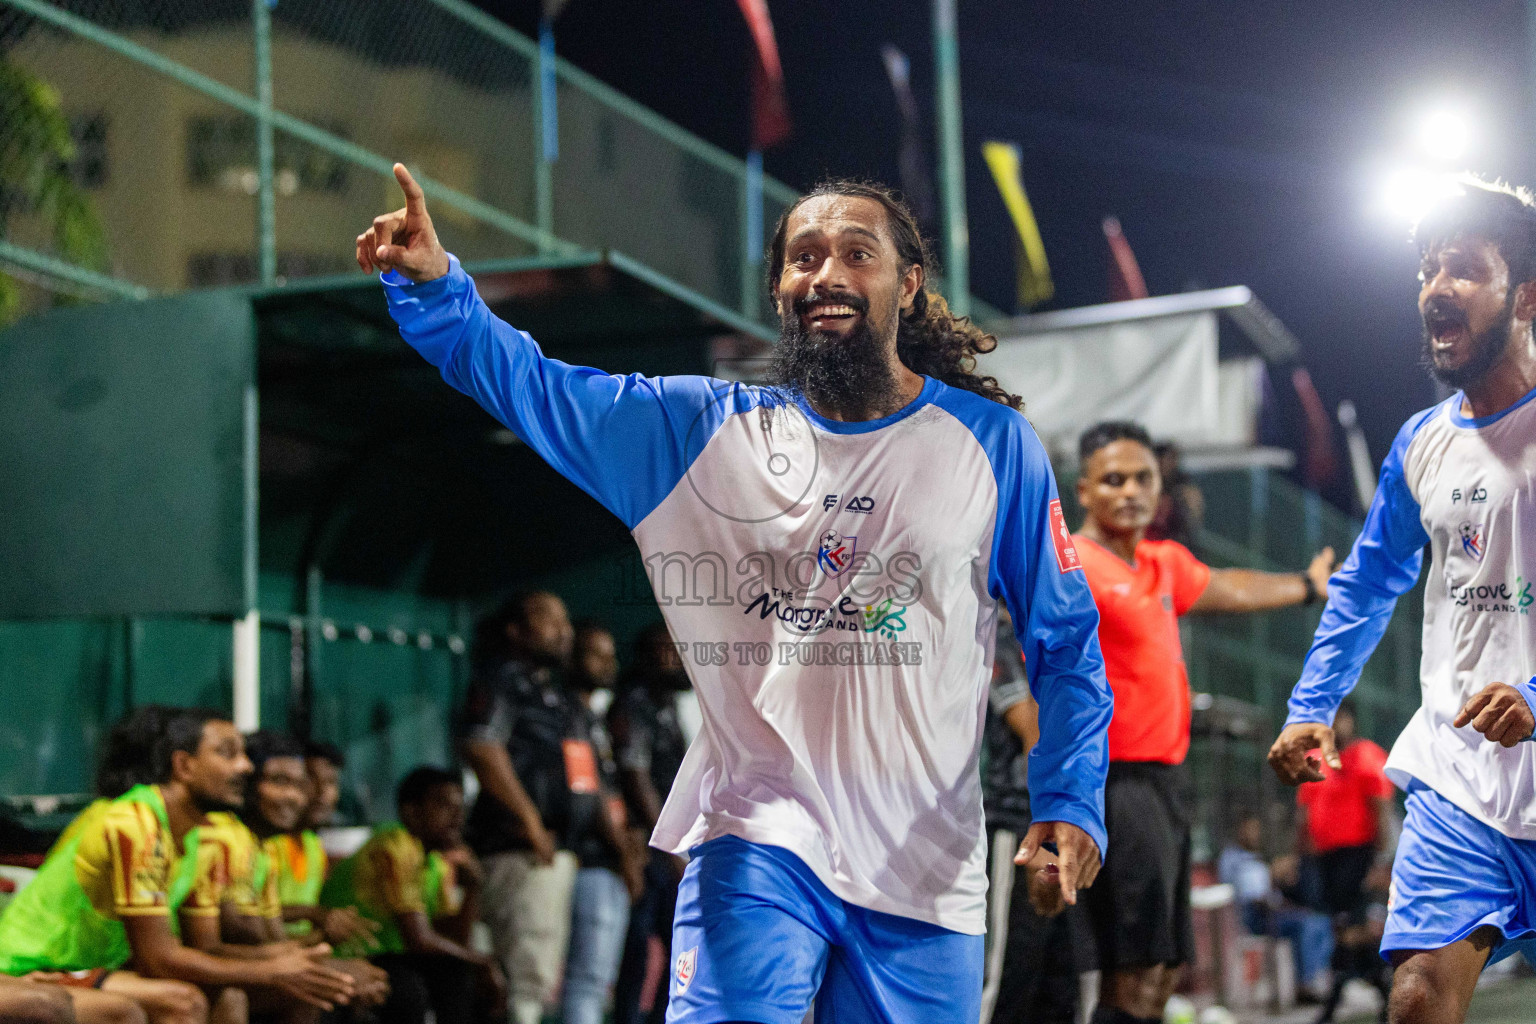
(1055, 620)
(625, 440)
(1527, 690)
(1383, 565)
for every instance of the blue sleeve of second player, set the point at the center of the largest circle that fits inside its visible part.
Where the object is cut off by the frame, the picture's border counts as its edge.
(625, 440)
(1383, 565)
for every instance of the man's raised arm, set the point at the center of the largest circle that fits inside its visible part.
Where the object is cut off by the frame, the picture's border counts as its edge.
(625, 440)
(1383, 565)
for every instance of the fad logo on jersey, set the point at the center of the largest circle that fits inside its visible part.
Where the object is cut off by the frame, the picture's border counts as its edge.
(687, 964)
(1472, 541)
(1066, 547)
(835, 552)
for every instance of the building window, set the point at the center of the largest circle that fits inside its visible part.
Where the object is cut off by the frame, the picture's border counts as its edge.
(88, 169)
(215, 269)
(212, 269)
(221, 154)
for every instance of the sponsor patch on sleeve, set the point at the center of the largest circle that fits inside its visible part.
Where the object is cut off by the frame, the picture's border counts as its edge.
(1066, 547)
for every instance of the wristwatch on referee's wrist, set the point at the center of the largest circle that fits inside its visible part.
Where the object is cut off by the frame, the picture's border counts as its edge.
(1312, 595)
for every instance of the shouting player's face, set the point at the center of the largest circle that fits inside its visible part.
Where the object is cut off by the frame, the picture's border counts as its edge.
(841, 291)
(1468, 306)
(1119, 487)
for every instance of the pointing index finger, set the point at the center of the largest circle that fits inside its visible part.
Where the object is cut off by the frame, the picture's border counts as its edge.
(415, 198)
(1471, 708)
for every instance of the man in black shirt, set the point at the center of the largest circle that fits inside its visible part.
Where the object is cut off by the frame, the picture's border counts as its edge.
(1034, 940)
(612, 862)
(533, 754)
(649, 743)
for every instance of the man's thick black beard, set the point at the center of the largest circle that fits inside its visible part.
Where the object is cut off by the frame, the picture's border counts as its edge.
(845, 374)
(1487, 347)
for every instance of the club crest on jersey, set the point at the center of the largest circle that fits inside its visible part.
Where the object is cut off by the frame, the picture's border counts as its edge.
(1472, 542)
(835, 552)
(687, 964)
(1066, 548)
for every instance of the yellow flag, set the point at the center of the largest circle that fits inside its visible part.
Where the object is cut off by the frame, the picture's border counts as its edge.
(1035, 284)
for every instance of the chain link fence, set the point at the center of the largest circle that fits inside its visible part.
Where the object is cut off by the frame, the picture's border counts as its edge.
(132, 142)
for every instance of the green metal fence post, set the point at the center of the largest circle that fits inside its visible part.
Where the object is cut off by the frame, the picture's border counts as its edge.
(946, 58)
(546, 135)
(266, 200)
(1258, 625)
(751, 234)
(246, 639)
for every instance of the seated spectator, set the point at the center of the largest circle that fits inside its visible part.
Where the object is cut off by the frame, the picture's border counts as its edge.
(293, 864)
(421, 885)
(52, 1000)
(323, 762)
(108, 896)
(127, 759)
(1264, 911)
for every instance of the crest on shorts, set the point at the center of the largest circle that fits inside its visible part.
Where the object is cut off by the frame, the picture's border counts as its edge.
(687, 964)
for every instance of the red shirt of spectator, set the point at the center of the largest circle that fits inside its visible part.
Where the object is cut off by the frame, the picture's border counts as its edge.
(1139, 608)
(1341, 810)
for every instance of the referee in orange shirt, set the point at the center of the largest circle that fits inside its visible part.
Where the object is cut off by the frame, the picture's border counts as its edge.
(1140, 904)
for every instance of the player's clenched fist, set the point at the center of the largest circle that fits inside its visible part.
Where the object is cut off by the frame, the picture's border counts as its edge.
(1288, 757)
(404, 240)
(1500, 713)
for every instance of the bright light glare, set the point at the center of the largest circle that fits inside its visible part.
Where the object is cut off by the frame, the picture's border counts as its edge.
(1408, 193)
(1445, 133)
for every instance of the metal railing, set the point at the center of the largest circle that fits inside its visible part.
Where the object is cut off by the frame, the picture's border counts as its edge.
(228, 142)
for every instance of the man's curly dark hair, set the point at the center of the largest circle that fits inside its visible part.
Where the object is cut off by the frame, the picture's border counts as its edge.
(929, 338)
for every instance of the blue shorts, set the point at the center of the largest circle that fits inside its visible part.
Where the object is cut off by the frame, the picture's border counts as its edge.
(1453, 875)
(758, 936)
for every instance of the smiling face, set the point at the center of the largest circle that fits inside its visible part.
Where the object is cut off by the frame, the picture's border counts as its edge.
(282, 792)
(1468, 305)
(1119, 487)
(840, 291)
(841, 269)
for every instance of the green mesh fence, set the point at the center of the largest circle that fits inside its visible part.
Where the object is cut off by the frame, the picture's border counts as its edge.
(147, 117)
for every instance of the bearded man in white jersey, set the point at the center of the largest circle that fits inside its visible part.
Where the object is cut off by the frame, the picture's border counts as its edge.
(859, 519)
(1461, 477)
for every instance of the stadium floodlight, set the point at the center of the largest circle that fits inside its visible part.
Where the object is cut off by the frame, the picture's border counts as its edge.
(1444, 134)
(1409, 192)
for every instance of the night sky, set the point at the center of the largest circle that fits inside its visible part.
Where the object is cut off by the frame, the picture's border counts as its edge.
(1240, 143)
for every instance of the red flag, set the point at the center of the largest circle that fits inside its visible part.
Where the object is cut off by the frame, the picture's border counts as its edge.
(1321, 463)
(770, 110)
(1125, 280)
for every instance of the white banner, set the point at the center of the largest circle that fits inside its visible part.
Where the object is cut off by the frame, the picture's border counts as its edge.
(1160, 372)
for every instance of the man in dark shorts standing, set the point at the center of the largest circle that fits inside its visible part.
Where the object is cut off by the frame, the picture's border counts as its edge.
(1037, 944)
(1140, 906)
(649, 745)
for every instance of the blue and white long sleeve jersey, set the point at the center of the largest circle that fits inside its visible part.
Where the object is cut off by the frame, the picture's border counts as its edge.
(836, 587)
(1467, 488)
